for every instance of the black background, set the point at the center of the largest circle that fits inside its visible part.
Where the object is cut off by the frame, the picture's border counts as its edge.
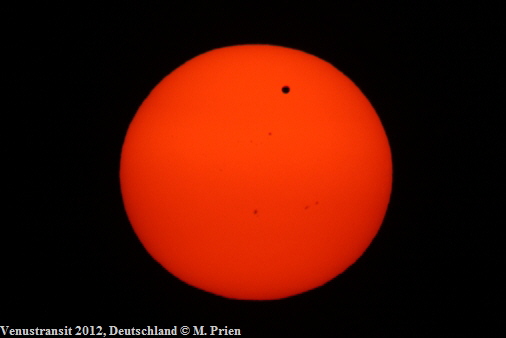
(70, 256)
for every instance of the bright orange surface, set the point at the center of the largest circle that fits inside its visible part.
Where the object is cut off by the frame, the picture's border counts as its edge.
(245, 191)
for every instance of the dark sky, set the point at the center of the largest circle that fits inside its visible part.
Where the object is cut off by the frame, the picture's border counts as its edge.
(79, 75)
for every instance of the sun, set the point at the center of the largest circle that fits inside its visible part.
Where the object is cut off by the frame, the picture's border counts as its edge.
(256, 172)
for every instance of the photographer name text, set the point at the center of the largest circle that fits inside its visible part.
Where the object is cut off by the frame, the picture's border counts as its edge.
(111, 330)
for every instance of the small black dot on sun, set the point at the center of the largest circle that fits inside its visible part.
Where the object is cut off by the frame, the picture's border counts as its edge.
(285, 89)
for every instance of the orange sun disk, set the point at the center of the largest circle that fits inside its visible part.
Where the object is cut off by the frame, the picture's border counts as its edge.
(256, 172)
